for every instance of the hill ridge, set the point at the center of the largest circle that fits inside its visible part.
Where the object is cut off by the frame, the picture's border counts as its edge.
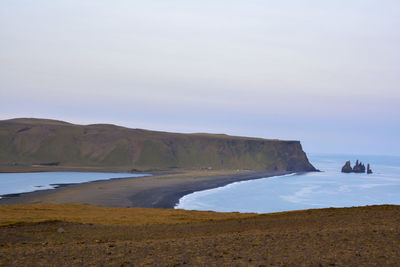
(27, 141)
(60, 122)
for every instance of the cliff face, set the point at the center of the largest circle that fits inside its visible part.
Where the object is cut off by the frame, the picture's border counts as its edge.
(48, 142)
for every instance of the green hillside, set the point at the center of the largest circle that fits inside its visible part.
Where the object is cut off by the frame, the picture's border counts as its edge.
(27, 142)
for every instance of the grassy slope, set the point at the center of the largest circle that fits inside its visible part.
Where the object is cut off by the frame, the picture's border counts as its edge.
(81, 213)
(363, 236)
(24, 142)
(112, 216)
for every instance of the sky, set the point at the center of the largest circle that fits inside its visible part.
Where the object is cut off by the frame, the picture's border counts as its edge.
(326, 73)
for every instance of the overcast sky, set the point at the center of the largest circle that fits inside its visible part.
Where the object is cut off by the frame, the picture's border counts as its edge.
(326, 73)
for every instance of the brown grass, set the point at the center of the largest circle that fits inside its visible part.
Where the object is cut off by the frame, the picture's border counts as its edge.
(81, 213)
(94, 236)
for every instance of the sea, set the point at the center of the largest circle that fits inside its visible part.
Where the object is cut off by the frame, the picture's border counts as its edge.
(312, 190)
(14, 183)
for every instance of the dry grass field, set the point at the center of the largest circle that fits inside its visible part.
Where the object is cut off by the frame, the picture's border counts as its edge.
(82, 235)
(86, 214)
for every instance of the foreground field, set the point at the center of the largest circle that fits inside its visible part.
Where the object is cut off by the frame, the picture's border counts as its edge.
(76, 234)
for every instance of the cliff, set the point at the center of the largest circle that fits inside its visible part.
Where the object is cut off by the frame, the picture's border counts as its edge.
(26, 142)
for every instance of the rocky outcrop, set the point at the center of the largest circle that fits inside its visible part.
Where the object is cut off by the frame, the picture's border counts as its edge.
(369, 171)
(347, 167)
(359, 167)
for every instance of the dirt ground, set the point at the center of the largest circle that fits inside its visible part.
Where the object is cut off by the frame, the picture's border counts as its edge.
(363, 236)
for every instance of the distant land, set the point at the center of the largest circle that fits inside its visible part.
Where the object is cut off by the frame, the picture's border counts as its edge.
(29, 143)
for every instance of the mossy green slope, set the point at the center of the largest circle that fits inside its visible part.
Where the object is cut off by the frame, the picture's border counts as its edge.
(36, 141)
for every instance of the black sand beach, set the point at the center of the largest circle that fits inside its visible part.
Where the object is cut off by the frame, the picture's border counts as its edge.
(162, 190)
(158, 191)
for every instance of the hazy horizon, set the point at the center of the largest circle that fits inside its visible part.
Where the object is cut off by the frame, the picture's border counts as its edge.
(324, 73)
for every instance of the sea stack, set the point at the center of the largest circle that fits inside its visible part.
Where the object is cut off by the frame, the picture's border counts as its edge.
(369, 171)
(359, 167)
(347, 167)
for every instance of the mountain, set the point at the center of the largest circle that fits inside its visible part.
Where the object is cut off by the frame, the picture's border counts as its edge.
(27, 142)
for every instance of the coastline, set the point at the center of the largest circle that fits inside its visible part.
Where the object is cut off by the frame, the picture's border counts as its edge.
(177, 205)
(23, 169)
(59, 184)
(161, 190)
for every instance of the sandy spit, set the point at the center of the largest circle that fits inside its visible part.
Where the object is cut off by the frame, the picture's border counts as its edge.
(162, 190)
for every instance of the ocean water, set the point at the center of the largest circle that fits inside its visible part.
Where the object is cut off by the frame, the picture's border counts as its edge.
(328, 188)
(12, 183)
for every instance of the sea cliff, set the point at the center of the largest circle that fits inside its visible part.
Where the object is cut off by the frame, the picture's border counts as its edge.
(50, 143)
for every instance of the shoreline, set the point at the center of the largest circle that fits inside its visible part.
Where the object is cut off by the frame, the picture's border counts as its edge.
(52, 186)
(230, 184)
(168, 197)
(161, 190)
(25, 169)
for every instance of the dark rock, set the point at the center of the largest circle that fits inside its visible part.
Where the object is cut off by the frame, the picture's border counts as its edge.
(359, 167)
(56, 163)
(347, 167)
(369, 171)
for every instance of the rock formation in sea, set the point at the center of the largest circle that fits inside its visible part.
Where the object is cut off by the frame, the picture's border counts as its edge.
(359, 167)
(369, 171)
(347, 167)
